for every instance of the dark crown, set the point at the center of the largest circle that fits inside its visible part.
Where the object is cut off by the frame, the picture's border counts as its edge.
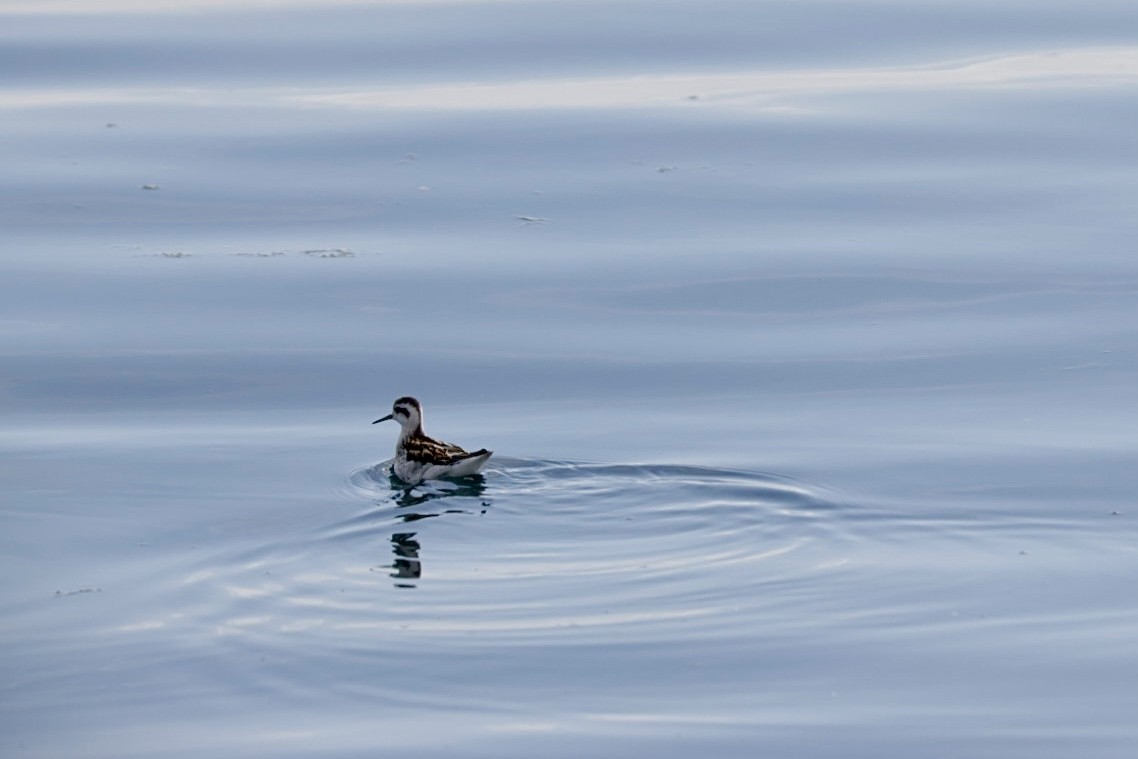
(406, 401)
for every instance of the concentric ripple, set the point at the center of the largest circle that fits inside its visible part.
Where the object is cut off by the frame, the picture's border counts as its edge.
(534, 550)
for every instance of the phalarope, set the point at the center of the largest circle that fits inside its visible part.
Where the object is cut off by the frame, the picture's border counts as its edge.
(418, 457)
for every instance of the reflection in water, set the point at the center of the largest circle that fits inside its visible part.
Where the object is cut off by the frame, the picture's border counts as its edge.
(407, 564)
(471, 486)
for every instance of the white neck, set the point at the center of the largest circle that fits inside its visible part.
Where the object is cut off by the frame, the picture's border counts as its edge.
(406, 430)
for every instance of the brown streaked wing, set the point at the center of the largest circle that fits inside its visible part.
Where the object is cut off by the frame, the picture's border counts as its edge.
(427, 450)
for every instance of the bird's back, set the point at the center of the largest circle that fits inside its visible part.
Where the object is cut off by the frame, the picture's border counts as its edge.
(419, 457)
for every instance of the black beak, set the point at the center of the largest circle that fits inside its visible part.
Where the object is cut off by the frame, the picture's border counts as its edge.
(384, 419)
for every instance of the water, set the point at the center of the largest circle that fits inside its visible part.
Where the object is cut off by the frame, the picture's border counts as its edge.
(804, 334)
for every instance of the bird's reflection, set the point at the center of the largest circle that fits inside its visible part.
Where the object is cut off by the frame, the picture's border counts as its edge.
(472, 486)
(407, 566)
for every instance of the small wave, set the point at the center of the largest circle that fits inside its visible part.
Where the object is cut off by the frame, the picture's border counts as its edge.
(643, 526)
(564, 489)
(530, 549)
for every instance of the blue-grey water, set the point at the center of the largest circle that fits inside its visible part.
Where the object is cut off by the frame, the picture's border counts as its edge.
(804, 332)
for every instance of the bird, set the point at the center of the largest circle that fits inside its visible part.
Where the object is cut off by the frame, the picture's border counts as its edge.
(418, 457)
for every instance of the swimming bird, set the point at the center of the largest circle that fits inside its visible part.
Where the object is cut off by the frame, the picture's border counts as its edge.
(418, 457)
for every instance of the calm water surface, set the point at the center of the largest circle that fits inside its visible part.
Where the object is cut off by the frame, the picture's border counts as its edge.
(804, 332)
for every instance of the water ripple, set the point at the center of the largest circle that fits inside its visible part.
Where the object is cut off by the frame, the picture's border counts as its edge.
(532, 550)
